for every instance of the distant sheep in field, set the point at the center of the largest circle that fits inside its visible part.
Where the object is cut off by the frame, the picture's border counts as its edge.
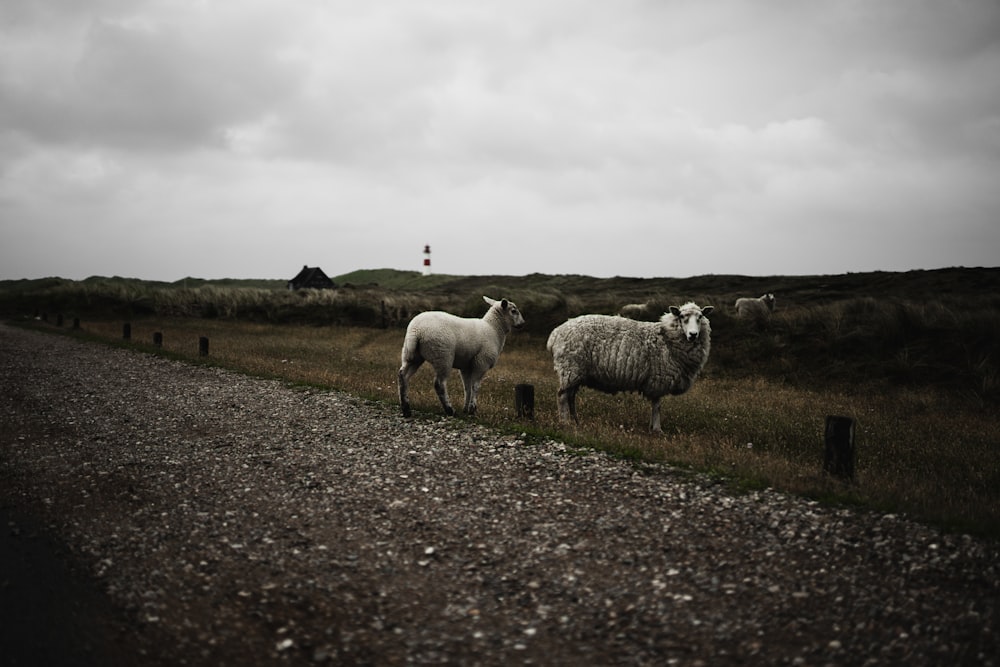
(447, 341)
(613, 354)
(635, 311)
(759, 309)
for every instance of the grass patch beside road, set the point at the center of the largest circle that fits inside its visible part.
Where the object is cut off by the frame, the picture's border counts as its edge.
(920, 451)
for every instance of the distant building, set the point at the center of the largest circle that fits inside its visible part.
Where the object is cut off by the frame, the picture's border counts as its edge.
(311, 278)
(427, 260)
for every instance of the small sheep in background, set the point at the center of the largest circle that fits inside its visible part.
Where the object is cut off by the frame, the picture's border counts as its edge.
(634, 311)
(613, 354)
(447, 341)
(759, 309)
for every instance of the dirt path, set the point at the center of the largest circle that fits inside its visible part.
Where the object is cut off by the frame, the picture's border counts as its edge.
(156, 512)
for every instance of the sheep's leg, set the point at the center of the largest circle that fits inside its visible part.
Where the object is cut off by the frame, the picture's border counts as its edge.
(563, 405)
(571, 396)
(406, 372)
(567, 404)
(472, 384)
(441, 387)
(654, 421)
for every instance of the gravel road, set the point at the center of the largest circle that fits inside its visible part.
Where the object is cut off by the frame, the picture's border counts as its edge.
(163, 513)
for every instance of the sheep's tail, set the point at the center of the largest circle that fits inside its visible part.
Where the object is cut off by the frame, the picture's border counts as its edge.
(411, 344)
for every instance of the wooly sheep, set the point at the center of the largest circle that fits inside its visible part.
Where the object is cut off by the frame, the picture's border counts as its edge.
(613, 354)
(447, 341)
(635, 311)
(758, 309)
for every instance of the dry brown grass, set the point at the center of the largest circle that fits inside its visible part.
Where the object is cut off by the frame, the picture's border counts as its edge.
(918, 452)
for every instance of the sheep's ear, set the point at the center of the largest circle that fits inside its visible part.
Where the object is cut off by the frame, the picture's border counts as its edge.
(675, 311)
(504, 304)
(489, 300)
(707, 310)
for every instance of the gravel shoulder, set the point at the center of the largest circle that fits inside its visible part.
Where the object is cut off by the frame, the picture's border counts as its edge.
(163, 513)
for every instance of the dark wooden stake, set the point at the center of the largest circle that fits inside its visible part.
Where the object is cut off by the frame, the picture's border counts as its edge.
(158, 338)
(838, 455)
(524, 400)
(127, 331)
(203, 346)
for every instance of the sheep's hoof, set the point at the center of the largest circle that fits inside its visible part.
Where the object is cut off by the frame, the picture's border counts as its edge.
(406, 410)
(450, 411)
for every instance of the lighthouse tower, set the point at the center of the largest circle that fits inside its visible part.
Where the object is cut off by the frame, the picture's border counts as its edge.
(427, 260)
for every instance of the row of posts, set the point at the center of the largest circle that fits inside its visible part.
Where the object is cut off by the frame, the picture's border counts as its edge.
(44, 317)
(838, 451)
(158, 339)
(127, 333)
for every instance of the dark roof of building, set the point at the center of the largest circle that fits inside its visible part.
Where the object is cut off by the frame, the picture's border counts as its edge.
(311, 277)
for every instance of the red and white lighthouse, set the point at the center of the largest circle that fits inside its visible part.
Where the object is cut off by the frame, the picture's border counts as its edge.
(427, 260)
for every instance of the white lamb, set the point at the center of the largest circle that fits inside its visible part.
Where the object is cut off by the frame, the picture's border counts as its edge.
(447, 341)
(759, 309)
(612, 354)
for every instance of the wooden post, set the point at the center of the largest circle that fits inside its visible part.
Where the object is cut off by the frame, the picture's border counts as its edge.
(838, 455)
(127, 331)
(524, 400)
(203, 346)
(158, 339)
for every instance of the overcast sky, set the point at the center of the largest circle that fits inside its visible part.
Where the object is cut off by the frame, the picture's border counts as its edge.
(161, 139)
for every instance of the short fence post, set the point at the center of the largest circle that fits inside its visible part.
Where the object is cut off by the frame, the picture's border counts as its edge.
(203, 346)
(127, 331)
(524, 400)
(158, 339)
(838, 455)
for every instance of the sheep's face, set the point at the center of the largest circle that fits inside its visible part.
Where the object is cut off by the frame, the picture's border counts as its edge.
(509, 309)
(691, 320)
(516, 319)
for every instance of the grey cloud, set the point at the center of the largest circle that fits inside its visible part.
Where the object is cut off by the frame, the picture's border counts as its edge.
(135, 85)
(671, 123)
